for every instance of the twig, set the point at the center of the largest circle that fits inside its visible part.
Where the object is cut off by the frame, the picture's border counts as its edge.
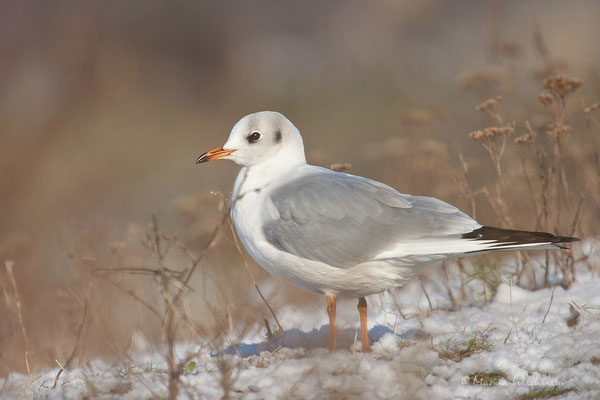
(268, 328)
(77, 341)
(396, 305)
(464, 186)
(549, 305)
(427, 296)
(209, 244)
(9, 264)
(237, 245)
(136, 271)
(539, 42)
(532, 192)
(169, 325)
(512, 312)
(447, 285)
(137, 298)
(461, 274)
(156, 238)
(578, 211)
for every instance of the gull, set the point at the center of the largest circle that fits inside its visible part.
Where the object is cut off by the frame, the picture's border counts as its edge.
(338, 234)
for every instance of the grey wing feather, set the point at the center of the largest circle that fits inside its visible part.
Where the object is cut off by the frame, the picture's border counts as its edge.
(343, 220)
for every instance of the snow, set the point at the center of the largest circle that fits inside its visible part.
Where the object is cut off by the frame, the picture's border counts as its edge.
(414, 356)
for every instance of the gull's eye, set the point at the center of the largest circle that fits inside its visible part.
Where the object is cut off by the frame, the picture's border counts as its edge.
(253, 137)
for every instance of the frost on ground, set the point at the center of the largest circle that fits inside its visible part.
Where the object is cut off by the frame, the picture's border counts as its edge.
(523, 344)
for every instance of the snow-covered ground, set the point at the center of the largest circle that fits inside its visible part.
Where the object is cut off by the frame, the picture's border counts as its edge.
(523, 344)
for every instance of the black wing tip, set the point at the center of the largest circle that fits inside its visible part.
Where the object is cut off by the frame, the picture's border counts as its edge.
(511, 236)
(567, 239)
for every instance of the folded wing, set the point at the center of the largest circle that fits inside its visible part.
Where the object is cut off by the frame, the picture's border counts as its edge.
(343, 220)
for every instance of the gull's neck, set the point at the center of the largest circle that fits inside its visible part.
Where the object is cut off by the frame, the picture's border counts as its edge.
(268, 173)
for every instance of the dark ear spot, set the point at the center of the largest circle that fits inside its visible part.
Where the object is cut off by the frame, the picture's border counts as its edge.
(277, 136)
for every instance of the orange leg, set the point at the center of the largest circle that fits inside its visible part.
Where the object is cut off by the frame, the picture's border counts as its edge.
(331, 312)
(362, 310)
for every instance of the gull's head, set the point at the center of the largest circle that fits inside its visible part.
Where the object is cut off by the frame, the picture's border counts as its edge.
(260, 137)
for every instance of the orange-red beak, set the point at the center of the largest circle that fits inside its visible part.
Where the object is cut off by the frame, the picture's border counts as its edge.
(213, 155)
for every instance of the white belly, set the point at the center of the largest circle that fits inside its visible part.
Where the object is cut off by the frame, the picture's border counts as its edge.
(358, 281)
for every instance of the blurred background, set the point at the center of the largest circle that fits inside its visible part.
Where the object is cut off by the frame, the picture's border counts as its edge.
(105, 106)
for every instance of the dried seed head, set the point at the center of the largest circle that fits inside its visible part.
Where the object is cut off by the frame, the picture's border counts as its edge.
(545, 98)
(562, 86)
(557, 130)
(489, 104)
(483, 78)
(591, 108)
(491, 133)
(417, 117)
(340, 167)
(525, 138)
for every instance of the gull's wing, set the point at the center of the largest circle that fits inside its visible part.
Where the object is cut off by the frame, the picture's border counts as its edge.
(343, 220)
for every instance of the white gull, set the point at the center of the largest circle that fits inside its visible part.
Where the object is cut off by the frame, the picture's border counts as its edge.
(340, 234)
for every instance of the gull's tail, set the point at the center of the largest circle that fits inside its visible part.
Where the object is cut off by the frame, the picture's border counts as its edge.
(509, 239)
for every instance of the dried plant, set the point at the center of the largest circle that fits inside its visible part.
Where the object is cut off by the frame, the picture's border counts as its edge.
(490, 106)
(545, 99)
(489, 134)
(554, 183)
(484, 79)
(172, 284)
(550, 193)
(494, 140)
(418, 118)
(562, 86)
(15, 299)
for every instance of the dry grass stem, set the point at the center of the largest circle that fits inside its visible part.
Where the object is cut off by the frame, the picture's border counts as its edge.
(18, 305)
(237, 245)
(427, 297)
(512, 312)
(549, 305)
(78, 340)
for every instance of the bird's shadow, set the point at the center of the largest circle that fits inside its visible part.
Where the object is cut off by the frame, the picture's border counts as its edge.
(318, 338)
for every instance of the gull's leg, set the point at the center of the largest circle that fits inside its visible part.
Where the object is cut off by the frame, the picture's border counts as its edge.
(331, 312)
(364, 333)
